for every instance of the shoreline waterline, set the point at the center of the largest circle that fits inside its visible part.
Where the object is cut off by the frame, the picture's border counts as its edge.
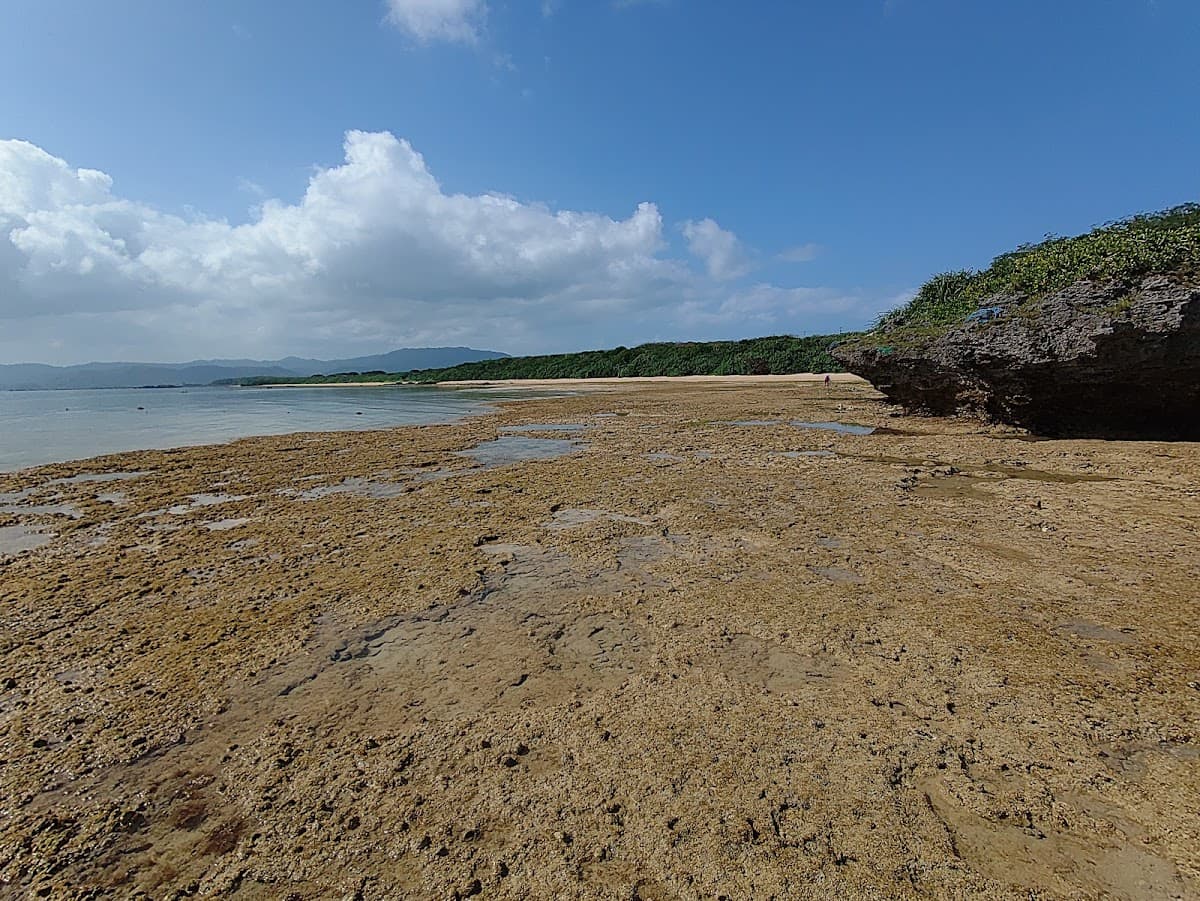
(35, 433)
(55, 426)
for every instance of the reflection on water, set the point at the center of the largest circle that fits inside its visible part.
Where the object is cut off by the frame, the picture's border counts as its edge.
(351, 485)
(222, 525)
(844, 428)
(204, 499)
(515, 449)
(14, 539)
(43, 509)
(51, 426)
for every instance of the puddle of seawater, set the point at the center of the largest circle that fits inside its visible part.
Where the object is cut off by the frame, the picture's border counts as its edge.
(353, 485)
(842, 428)
(435, 475)
(15, 539)
(203, 499)
(1086, 629)
(518, 449)
(579, 516)
(807, 453)
(663, 456)
(222, 525)
(10, 501)
(68, 510)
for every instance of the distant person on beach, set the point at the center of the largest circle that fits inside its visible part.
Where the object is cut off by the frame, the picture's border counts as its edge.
(828, 380)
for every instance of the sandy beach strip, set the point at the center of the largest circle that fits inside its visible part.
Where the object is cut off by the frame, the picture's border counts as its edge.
(604, 383)
(726, 380)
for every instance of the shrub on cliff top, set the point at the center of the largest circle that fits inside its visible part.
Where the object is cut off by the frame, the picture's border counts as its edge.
(1125, 250)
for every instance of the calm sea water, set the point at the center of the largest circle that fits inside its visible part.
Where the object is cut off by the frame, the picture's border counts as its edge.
(52, 426)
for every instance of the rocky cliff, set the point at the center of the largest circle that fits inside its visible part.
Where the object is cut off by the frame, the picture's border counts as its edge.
(1094, 359)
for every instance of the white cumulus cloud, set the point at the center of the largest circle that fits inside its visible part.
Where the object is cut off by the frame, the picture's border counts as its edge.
(801, 253)
(374, 254)
(456, 21)
(720, 250)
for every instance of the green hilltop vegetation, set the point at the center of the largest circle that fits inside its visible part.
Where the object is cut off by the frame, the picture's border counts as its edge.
(1124, 251)
(777, 355)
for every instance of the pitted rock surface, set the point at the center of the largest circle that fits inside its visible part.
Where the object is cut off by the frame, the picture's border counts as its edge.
(1092, 360)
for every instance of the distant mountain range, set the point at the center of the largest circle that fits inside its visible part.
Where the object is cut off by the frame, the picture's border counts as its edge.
(30, 376)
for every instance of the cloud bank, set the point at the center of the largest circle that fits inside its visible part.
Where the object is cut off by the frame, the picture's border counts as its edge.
(374, 254)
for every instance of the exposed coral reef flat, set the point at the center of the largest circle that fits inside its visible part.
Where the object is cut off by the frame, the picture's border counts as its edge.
(674, 657)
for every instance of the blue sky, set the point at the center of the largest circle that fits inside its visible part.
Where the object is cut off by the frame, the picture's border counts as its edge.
(803, 165)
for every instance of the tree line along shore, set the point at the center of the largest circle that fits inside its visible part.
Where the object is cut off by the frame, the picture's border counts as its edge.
(776, 355)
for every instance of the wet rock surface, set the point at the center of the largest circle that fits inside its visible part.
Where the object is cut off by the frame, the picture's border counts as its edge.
(686, 659)
(1093, 360)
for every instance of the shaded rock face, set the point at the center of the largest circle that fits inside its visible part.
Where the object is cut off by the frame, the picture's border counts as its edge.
(1092, 360)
